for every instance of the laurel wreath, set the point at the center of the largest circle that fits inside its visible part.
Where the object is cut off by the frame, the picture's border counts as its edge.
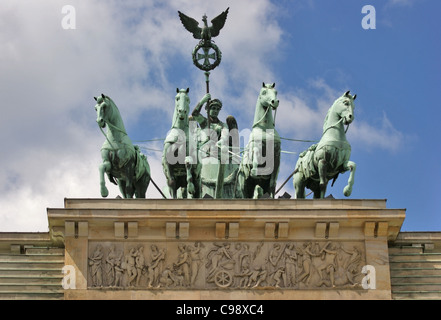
(218, 56)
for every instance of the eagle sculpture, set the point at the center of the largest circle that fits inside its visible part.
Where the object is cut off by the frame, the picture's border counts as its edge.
(205, 33)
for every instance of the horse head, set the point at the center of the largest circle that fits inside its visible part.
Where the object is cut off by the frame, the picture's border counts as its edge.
(102, 109)
(344, 107)
(267, 100)
(182, 107)
(108, 114)
(268, 96)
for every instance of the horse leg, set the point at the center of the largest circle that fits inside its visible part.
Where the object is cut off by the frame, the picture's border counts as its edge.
(190, 184)
(129, 183)
(103, 168)
(258, 192)
(239, 185)
(322, 168)
(273, 177)
(171, 183)
(141, 186)
(143, 182)
(122, 187)
(256, 159)
(349, 166)
(299, 185)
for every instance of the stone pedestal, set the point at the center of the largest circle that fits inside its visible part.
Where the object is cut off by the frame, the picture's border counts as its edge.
(226, 249)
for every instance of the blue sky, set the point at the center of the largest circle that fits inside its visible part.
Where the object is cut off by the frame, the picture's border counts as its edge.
(138, 53)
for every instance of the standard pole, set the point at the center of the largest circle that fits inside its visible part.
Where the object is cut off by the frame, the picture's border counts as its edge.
(207, 83)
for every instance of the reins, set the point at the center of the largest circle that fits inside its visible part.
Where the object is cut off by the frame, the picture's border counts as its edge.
(114, 149)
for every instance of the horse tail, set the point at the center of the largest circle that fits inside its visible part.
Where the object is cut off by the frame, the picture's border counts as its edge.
(142, 166)
(112, 179)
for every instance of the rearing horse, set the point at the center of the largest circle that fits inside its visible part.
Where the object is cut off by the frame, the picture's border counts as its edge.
(123, 163)
(260, 163)
(177, 163)
(330, 157)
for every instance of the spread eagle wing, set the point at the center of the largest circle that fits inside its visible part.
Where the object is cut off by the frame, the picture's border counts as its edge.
(191, 25)
(218, 23)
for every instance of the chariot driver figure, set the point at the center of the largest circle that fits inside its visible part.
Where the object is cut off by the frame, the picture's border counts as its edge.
(216, 141)
(218, 131)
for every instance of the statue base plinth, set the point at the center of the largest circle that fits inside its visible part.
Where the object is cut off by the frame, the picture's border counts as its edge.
(191, 249)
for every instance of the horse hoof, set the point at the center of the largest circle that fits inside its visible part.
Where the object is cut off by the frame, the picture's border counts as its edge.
(347, 191)
(190, 188)
(104, 192)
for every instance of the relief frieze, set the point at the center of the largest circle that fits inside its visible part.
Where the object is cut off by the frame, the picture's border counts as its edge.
(226, 265)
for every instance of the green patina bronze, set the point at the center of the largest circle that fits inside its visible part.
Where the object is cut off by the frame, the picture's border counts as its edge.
(206, 49)
(179, 153)
(123, 162)
(216, 139)
(201, 154)
(217, 145)
(330, 157)
(260, 163)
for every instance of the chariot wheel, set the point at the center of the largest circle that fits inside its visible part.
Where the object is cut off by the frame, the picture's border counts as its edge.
(223, 279)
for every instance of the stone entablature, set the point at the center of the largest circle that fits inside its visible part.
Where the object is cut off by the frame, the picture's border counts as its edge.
(291, 249)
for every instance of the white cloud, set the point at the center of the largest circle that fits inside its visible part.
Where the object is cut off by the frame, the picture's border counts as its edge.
(400, 2)
(124, 49)
(302, 114)
(373, 136)
(49, 139)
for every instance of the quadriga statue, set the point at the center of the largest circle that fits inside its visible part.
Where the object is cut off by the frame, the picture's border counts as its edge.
(123, 162)
(260, 163)
(330, 157)
(180, 169)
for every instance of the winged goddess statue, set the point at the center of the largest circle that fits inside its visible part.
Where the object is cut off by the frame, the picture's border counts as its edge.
(205, 33)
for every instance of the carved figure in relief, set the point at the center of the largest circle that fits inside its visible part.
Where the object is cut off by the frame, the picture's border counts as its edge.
(167, 278)
(221, 263)
(277, 276)
(326, 263)
(140, 264)
(118, 270)
(274, 257)
(195, 260)
(183, 264)
(95, 263)
(242, 277)
(257, 276)
(217, 256)
(306, 255)
(290, 257)
(352, 264)
(130, 263)
(157, 265)
(110, 265)
(244, 258)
